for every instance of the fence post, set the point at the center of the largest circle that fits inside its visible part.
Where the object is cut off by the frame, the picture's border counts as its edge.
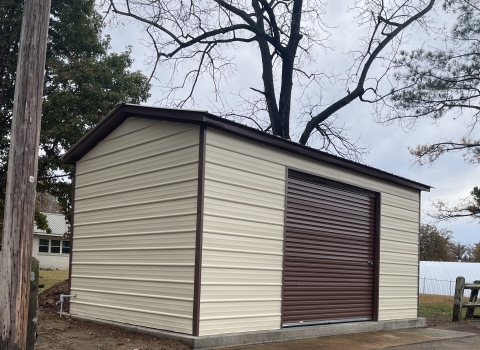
(458, 299)
(32, 305)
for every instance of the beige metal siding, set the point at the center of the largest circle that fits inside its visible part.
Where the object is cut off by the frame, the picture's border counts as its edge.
(244, 228)
(135, 221)
(242, 243)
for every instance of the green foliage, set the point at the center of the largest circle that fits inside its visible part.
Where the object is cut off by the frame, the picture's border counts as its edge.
(476, 253)
(435, 243)
(440, 83)
(474, 207)
(83, 82)
(468, 207)
(41, 222)
(444, 82)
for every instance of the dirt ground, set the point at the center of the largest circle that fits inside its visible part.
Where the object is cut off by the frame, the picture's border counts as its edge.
(67, 334)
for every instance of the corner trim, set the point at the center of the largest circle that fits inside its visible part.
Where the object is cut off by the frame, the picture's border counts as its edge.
(284, 245)
(72, 219)
(199, 231)
(376, 273)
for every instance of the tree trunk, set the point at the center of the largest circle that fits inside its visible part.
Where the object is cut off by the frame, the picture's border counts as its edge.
(22, 176)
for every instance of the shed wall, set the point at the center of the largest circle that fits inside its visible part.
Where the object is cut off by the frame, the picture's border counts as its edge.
(135, 223)
(244, 230)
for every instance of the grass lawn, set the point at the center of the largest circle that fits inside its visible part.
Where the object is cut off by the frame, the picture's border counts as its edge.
(51, 277)
(437, 308)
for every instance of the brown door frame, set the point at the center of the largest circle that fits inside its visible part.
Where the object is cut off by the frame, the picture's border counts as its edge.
(318, 178)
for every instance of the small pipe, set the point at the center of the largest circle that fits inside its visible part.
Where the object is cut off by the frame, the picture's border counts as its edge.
(62, 300)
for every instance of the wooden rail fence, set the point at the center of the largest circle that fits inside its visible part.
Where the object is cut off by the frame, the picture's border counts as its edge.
(458, 303)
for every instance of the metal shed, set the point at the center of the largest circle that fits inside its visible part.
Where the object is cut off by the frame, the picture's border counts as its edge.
(190, 223)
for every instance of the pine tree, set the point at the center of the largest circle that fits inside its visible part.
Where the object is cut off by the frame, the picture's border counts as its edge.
(83, 82)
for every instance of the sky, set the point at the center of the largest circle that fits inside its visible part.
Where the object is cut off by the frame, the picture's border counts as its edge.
(449, 177)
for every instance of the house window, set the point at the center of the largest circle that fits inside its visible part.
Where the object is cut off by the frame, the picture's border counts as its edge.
(55, 246)
(65, 247)
(43, 246)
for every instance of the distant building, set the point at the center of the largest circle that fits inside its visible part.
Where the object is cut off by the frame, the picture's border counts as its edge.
(51, 249)
(438, 277)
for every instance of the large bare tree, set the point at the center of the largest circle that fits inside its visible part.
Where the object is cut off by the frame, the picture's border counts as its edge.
(197, 38)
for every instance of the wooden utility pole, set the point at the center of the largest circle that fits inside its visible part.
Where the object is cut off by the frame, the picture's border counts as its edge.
(16, 255)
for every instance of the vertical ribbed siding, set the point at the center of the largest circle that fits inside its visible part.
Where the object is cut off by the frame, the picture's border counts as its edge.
(244, 210)
(135, 217)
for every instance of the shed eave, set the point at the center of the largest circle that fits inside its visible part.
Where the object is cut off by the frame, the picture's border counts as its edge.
(123, 111)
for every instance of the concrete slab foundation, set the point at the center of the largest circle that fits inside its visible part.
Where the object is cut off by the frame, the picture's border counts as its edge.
(269, 336)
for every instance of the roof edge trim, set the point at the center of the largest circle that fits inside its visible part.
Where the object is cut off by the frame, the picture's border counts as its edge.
(123, 111)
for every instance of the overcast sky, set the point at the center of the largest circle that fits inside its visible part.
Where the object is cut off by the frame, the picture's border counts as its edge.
(450, 177)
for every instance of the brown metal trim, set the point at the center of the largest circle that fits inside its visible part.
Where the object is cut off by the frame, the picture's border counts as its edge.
(199, 232)
(284, 239)
(376, 273)
(123, 111)
(72, 219)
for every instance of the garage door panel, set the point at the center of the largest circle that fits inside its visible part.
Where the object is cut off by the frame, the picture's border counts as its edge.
(310, 214)
(333, 256)
(315, 201)
(345, 224)
(307, 236)
(297, 306)
(298, 269)
(346, 294)
(318, 282)
(304, 246)
(339, 315)
(329, 247)
(322, 254)
(328, 230)
(341, 204)
(325, 189)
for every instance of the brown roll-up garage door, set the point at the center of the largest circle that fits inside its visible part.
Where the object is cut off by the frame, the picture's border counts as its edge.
(329, 268)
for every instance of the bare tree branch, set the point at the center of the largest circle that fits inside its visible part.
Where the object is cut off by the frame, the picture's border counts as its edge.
(359, 89)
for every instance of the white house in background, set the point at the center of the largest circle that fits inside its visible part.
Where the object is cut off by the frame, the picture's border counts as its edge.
(51, 249)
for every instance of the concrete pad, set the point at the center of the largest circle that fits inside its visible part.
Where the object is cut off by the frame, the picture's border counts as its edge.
(278, 335)
(466, 343)
(286, 334)
(438, 333)
(469, 327)
(363, 341)
(360, 341)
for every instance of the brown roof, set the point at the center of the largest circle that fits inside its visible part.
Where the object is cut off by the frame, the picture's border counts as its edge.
(124, 111)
